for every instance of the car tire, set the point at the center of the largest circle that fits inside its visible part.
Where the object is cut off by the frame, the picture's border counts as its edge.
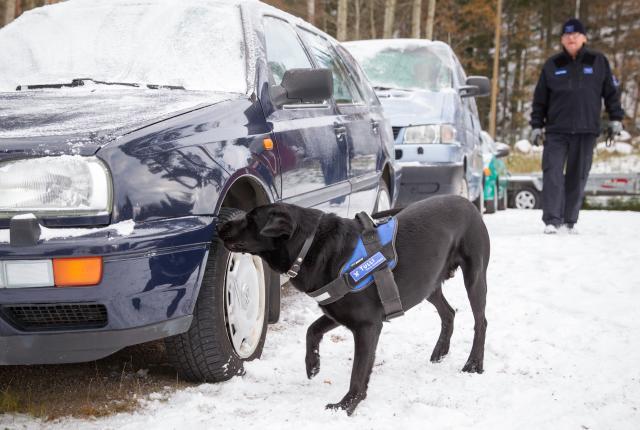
(492, 205)
(526, 198)
(479, 201)
(383, 199)
(230, 316)
(504, 201)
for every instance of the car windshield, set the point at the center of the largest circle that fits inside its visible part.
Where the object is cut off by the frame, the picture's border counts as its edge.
(195, 44)
(409, 67)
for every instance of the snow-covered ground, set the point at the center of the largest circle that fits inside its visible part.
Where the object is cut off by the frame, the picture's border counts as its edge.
(562, 350)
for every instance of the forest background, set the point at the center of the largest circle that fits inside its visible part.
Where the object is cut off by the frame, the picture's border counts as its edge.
(529, 34)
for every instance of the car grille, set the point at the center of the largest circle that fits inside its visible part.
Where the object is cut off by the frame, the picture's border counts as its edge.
(396, 132)
(39, 317)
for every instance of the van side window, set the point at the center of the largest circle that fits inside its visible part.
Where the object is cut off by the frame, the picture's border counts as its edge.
(344, 91)
(284, 49)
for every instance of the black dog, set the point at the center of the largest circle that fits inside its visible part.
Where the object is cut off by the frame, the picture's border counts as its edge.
(434, 238)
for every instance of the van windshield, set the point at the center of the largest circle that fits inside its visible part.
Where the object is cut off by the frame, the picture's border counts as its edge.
(410, 67)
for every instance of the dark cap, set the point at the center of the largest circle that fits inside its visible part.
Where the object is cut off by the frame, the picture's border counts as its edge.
(573, 26)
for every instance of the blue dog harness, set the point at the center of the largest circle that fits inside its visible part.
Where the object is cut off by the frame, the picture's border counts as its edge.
(372, 261)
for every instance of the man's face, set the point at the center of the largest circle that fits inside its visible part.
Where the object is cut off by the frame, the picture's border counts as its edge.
(572, 42)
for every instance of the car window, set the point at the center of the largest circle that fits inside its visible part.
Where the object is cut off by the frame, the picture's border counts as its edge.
(461, 75)
(474, 113)
(358, 76)
(344, 91)
(284, 49)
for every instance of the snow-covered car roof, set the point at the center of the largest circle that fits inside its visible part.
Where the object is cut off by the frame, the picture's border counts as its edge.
(196, 44)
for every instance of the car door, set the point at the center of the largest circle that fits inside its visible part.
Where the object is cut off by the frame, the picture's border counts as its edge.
(355, 129)
(368, 140)
(313, 161)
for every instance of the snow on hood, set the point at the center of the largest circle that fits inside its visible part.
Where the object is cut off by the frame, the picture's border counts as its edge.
(59, 112)
(197, 44)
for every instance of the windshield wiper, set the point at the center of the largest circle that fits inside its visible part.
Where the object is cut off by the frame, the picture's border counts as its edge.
(380, 88)
(79, 82)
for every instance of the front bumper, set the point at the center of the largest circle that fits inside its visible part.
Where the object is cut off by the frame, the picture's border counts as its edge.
(151, 278)
(75, 347)
(422, 181)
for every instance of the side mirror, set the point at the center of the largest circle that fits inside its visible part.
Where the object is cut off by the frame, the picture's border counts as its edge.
(503, 150)
(303, 86)
(476, 86)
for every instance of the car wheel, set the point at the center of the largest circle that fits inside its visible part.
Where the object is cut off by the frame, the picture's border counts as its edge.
(230, 316)
(526, 198)
(503, 202)
(492, 205)
(479, 201)
(383, 200)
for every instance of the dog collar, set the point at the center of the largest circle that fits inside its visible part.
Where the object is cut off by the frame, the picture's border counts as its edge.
(295, 268)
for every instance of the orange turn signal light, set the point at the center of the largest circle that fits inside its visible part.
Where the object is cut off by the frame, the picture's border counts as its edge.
(268, 144)
(77, 272)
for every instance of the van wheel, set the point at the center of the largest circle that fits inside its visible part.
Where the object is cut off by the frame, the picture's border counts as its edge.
(230, 316)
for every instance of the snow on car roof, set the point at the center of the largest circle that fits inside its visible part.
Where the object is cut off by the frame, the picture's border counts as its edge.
(197, 44)
(364, 49)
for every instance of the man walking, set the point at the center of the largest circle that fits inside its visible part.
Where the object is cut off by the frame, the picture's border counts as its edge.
(567, 103)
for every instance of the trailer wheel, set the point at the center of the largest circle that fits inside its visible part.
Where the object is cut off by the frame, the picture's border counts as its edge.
(527, 198)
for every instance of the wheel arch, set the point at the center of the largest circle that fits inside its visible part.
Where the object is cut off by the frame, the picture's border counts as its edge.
(245, 193)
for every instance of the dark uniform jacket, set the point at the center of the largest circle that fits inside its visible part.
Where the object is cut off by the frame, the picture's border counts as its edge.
(569, 93)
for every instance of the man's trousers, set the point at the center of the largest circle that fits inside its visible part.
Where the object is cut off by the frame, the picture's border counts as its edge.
(563, 191)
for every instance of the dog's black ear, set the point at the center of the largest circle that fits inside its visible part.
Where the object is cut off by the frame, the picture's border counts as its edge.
(279, 224)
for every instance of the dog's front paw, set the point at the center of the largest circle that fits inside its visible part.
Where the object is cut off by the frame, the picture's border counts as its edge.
(348, 403)
(312, 362)
(473, 366)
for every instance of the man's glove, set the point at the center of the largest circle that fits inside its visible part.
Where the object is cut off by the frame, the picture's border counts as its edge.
(615, 127)
(537, 136)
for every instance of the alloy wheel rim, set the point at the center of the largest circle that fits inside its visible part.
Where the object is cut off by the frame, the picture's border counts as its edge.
(244, 302)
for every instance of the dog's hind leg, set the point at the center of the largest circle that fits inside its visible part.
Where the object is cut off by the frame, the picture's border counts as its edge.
(447, 315)
(366, 341)
(475, 281)
(314, 336)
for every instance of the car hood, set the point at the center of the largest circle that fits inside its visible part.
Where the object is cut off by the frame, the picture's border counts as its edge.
(78, 121)
(405, 108)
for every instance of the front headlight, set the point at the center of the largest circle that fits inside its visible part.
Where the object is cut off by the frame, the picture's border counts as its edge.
(437, 133)
(55, 186)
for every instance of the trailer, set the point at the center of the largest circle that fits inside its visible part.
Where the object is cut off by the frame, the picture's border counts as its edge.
(525, 190)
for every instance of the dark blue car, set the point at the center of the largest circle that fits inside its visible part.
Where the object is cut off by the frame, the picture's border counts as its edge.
(127, 130)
